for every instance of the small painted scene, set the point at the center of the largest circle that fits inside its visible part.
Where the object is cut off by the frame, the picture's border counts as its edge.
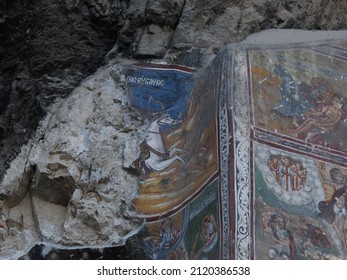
(179, 153)
(203, 236)
(300, 93)
(192, 233)
(300, 206)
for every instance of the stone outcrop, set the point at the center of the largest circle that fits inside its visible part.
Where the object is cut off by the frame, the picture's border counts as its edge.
(70, 183)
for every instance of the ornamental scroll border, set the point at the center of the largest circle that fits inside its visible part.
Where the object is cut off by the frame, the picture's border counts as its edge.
(224, 150)
(242, 184)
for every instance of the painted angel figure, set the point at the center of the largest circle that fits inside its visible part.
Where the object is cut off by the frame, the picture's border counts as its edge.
(334, 208)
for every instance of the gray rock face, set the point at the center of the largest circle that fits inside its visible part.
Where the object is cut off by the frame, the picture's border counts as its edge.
(154, 42)
(208, 25)
(46, 49)
(164, 12)
(72, 179)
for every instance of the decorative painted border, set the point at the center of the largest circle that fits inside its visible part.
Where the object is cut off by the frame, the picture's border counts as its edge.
(224, 150)
(242, 187)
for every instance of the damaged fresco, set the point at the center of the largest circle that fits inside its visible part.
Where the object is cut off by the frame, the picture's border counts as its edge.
(178, 163)
(299, 116)
(245, 161)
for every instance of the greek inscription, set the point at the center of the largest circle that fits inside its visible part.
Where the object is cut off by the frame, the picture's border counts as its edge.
(145, 81)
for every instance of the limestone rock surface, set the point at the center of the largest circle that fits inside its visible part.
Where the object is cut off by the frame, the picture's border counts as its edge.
(72, 180)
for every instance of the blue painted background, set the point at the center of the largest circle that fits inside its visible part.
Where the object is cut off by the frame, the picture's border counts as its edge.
(173, 94)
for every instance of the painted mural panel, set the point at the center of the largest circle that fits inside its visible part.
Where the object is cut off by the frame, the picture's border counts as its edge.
(247, 158)
(300, 210)
(299, 95)
(191, 233)
(203, 237)
(178, 162)
(298, 103)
